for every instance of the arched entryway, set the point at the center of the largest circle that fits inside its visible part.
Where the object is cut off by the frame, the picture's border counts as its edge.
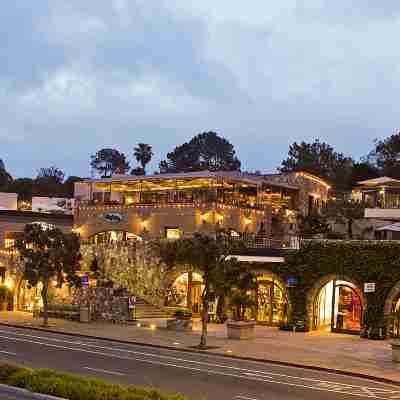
(186, 291)
(271, 300)
(392, 311)
(336, 304)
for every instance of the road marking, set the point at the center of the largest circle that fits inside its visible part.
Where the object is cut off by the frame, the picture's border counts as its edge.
(262, 376)
(266, 374)
(8, 352)
(255, 377)
(105, 371)
(245, 398)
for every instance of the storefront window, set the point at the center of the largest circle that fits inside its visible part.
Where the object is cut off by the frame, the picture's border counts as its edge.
(395, 329)
(112, 237)
(271, 302)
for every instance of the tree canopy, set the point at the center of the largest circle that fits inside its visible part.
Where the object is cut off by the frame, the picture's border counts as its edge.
(319, 158)
(143, 154)
(386, 156)
(109, 161)
(49, 255)
(206, 151)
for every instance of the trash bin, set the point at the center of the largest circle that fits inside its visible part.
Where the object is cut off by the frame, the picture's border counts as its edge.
(84, 313)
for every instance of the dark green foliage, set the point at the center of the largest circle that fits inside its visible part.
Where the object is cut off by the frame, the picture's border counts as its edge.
(49, 254)
(206, 151)
(75, 387)
(360, 261)
(109, 161)
(143, 153)
(320, 159)
(182, 313)
(386, 156)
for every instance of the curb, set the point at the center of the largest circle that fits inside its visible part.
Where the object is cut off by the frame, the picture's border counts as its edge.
(230, 356)
(12, 390)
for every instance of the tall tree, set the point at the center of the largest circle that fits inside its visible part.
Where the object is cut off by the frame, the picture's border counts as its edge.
(49, 255)
(49, 182)
(386, 156)
(208, 255)
(143, 153)
(206, 151)
(320, 159)
(109, 161)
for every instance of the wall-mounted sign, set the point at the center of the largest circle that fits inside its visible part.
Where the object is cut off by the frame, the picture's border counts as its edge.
(369, 287)
(291, 281)
(85, 280)
(114, 218)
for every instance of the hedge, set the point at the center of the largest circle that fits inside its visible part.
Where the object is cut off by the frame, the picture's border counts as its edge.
(361, 261)
(75, 387)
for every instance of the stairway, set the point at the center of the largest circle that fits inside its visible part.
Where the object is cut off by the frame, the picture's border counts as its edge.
(146, 310)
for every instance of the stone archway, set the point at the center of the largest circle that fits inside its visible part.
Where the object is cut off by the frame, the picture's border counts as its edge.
(391, 297)
(315, 291)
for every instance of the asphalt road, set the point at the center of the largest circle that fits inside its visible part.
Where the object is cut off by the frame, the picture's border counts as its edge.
(199, 376)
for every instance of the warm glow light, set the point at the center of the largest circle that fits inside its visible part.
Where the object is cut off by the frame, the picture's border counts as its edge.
(152, 327)
(9, 283)
(248, 221)
(313, 178)
(144, 224)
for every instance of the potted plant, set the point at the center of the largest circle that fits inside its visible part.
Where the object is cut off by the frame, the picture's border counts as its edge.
(3, 298)
(182, 320)
(241, 327)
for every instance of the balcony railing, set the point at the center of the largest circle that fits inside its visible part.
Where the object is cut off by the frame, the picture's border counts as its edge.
(183, 203)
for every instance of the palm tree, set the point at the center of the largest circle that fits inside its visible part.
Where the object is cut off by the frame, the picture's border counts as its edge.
(143, 153)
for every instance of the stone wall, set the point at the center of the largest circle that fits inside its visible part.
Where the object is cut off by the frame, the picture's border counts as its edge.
(104, 303)
(131, 266)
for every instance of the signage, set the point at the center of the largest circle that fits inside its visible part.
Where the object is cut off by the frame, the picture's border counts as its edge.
(291, 281)
(131, 302)
(369, 287)
(85, 280)
(114, 218)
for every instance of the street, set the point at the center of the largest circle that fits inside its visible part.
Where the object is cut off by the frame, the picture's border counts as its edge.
(199, 376)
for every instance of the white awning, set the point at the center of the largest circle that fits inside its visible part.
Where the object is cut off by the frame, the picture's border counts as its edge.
(392, 227)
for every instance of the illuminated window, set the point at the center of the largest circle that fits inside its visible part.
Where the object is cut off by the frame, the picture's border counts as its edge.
(173, 233)
(9, 243)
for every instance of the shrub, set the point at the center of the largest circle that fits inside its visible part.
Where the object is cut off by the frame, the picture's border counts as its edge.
(75, 387)
(183, 313)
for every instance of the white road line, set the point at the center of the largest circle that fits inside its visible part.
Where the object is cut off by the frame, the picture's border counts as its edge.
(245, 398)
(255, 377)
(8, 352)
(263, 374)
(325, 385)
(105, 371)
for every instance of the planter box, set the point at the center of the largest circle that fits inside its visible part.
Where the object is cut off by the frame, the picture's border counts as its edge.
(180, 324)
(240, 329)
(396, 351)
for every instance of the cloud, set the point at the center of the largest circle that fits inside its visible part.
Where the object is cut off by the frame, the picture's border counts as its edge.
(113, 73)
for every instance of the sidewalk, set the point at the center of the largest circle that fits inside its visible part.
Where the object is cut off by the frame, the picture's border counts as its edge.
(318, 349)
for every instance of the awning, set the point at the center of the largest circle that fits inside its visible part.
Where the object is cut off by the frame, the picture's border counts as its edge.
(392, 227)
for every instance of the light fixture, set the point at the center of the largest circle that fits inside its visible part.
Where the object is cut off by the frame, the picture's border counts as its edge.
(152, 327)
(248, 221)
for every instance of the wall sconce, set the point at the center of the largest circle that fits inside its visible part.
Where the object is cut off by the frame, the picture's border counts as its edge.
(220, 218)
(248, 221)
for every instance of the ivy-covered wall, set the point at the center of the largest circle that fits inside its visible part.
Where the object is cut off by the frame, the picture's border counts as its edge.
(359, 262)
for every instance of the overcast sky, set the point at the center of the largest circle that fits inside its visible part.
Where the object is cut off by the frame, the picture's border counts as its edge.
(76, 76)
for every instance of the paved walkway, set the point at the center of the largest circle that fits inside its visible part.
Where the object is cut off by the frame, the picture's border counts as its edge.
(321, 349)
